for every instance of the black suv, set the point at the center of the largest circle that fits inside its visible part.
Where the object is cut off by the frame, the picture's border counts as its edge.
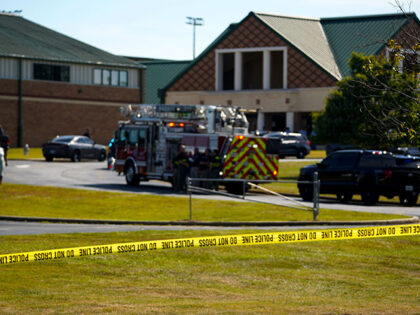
(367, 173)
(290, 144)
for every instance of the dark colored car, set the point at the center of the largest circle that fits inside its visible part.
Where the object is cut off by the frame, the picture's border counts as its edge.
(364, 172)
(290, 144)
(73, 147)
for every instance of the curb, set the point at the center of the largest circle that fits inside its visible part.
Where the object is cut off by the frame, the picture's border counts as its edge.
(212, 223)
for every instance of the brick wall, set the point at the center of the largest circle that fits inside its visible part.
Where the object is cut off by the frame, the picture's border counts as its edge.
(70, 91)
(41, 121)
(50, 108)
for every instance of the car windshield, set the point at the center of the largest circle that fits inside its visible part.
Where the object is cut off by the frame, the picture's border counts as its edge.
(64, 139)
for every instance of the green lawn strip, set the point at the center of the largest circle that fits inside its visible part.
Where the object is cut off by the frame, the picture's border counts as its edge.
(52, 202)
(375, 276)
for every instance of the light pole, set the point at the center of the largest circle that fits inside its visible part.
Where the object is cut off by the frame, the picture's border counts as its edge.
(194, 22)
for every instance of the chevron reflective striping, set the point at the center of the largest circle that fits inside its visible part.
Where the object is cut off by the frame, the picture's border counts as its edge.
(247, 160)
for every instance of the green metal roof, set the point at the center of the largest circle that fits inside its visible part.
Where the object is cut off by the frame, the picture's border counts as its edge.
(25, 39)
(159, 74)
(307, 36)
(362, 34)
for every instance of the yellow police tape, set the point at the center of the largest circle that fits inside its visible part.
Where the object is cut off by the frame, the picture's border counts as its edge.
(214, 241)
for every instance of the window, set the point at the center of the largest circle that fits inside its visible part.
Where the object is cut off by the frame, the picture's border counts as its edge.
(114, 77)
(252, 67)
(110, 77)
(228, 71)
(106, 77)
(133, 136)
(277, 69)
(142, 136)
(51, 72)
(123, 78)
(372, 160)
(97, 76)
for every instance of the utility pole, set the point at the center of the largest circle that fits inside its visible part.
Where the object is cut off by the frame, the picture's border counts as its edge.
(194, 22)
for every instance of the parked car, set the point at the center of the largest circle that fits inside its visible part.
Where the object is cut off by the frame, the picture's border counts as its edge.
(364, 172)
(289, 144)
(73, 147)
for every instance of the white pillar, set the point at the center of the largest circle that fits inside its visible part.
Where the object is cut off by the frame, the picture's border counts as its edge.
(238, 71)
(290, 121)
(219, 72)
(266, 69)
(260, 121)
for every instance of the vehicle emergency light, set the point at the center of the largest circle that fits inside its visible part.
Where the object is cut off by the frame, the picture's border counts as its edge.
(181, 124)
(388, 174)
(240, 137)
(171, 124)
(275, 173)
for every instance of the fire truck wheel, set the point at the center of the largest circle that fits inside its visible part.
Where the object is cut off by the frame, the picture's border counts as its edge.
(75, 156)
(131, 177)
(408, 200)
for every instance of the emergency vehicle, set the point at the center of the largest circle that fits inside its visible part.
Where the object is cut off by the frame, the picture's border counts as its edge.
(146, 144)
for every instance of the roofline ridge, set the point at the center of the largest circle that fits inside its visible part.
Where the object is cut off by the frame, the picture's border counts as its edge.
(74, 39)
(357, 17)
(288, 16)
(10, 14)
(336, 71)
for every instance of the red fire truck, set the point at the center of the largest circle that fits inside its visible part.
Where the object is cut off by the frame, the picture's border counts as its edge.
(146, 144)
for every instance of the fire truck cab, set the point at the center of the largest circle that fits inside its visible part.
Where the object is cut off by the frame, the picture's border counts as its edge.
(146, 144)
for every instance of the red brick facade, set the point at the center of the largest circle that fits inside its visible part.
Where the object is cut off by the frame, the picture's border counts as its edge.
(51, 108)
(302, 72)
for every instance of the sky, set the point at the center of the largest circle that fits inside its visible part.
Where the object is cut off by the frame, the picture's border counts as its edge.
(158, 29)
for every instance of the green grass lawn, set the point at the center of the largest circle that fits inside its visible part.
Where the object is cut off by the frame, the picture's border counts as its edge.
(39, 201)
(375, 276)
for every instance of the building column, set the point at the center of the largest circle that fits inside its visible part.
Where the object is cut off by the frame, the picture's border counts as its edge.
(219, 72)
(290, 121)
(260, 121)
(238, 71)
(266, 69)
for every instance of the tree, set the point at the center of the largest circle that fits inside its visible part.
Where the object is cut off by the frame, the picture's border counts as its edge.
(377, 106)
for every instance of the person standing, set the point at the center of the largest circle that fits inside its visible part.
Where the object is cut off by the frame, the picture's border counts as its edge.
(215, 168)
(181, 167)
(195, 164)
(2, 164)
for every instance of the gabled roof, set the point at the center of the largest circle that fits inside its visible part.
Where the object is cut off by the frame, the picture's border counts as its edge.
(307, 36)
(362, 34)
(159, 74)
(328, 42)
(25, 39)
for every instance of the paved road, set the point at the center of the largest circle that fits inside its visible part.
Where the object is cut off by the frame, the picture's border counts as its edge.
(32, 228)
